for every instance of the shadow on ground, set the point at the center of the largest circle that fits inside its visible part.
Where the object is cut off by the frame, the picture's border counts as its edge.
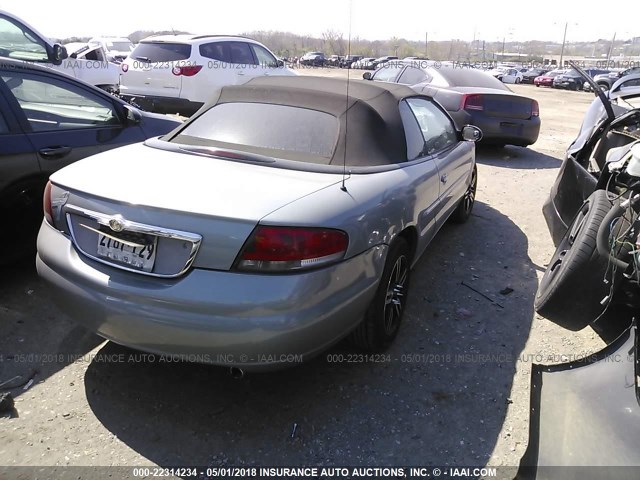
(36, 340)
(440, 397)
(520, 158)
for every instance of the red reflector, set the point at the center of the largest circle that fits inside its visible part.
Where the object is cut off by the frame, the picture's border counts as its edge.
(472, 102)
(535, 109)
(187, 71)
(290, 248)
(124, 67)
(46, 204)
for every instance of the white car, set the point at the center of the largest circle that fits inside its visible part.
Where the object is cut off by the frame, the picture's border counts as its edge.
(20, 41)
(179, 73)
(89, 63)
(117, 48)
(507, 74)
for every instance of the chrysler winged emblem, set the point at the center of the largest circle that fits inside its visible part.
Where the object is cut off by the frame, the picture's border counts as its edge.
(116, 224)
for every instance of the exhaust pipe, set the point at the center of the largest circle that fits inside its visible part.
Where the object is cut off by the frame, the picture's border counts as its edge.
(236, 373)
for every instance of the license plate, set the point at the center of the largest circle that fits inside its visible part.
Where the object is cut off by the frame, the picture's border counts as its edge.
(139, 254)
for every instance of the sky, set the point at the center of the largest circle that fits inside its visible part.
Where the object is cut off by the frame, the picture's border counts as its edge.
(488, 20)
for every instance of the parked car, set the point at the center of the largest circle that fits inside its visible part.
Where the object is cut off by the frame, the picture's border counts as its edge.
(179, 73)
(587, 273)
(609, 122)
(20, 41)
(313, 59)
(117, 48)
(219, 277)
(572, 80)
(546, 80)
(50, 120)
(472, 97)
(507, 74)
(365, 63)
(530, 75)
(90, 63)
(349, 60)
(381, 61)
(606, 80)
(334, 61)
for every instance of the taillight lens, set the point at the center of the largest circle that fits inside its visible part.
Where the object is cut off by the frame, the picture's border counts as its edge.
(124, 67)
(535, 109)
(187, 71)
(46, 204)
(280, 249)
(472, 102)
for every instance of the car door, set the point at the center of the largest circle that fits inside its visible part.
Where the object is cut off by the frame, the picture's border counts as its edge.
(64, 120)
(452, 157)
(423, 171)
(244, 63)
(18, 160)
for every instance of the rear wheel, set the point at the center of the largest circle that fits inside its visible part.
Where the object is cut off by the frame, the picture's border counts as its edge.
(382, 320)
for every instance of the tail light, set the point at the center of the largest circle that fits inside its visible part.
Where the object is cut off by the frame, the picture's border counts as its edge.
(472, 102)
(186, 71)
(124, 67)
(281, 249)
(46, 204)
(535, 109)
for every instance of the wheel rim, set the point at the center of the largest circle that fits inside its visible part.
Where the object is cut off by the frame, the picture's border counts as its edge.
(555, 265)
(396, 295)
(470, 194)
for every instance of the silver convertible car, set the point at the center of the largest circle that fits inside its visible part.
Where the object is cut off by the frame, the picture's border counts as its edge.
(282, 217)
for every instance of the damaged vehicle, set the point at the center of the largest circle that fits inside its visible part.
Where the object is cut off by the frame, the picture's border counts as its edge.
(263, 231)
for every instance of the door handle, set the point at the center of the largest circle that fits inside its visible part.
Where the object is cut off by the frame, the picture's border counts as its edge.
(241, 74)
(53, 152)
(443, 178)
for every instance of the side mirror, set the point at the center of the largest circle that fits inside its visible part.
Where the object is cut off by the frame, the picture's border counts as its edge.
(59, 53)
(367, 75)
(280, 64)
(134, 117)
(471, 133)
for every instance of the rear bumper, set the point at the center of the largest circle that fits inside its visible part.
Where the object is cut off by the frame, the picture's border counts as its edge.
(502, 130)
(250, 321)
(162, 104)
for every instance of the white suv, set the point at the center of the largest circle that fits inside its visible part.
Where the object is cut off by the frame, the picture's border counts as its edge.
(179, 73)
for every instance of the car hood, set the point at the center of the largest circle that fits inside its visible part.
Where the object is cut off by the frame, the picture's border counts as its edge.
(142, 175)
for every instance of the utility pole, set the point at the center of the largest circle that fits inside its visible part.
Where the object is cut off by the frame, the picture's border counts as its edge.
(426, 44)
(564, 39)
(611, 48)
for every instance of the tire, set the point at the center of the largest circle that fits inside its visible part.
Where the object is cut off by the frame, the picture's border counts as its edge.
(463, 211)
(572, 287)
(537, 85)
(382, 319)
(517, 81)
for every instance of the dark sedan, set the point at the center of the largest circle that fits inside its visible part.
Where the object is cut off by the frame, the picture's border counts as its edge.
(471, 97)
(47, 121)
(572, 80)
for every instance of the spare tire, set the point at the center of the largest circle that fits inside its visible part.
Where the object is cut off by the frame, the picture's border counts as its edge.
(572, 288)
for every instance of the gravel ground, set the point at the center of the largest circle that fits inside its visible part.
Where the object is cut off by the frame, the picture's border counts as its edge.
(454, 389)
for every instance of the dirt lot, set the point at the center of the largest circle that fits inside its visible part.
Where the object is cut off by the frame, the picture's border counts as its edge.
(429, 405)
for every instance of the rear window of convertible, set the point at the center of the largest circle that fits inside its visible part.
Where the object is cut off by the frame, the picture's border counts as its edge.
(268, 126)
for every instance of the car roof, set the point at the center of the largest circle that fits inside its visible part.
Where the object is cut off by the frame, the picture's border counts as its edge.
(194, 39)
(375, 129)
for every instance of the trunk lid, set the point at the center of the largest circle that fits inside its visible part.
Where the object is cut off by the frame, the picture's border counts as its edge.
(219, 200)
